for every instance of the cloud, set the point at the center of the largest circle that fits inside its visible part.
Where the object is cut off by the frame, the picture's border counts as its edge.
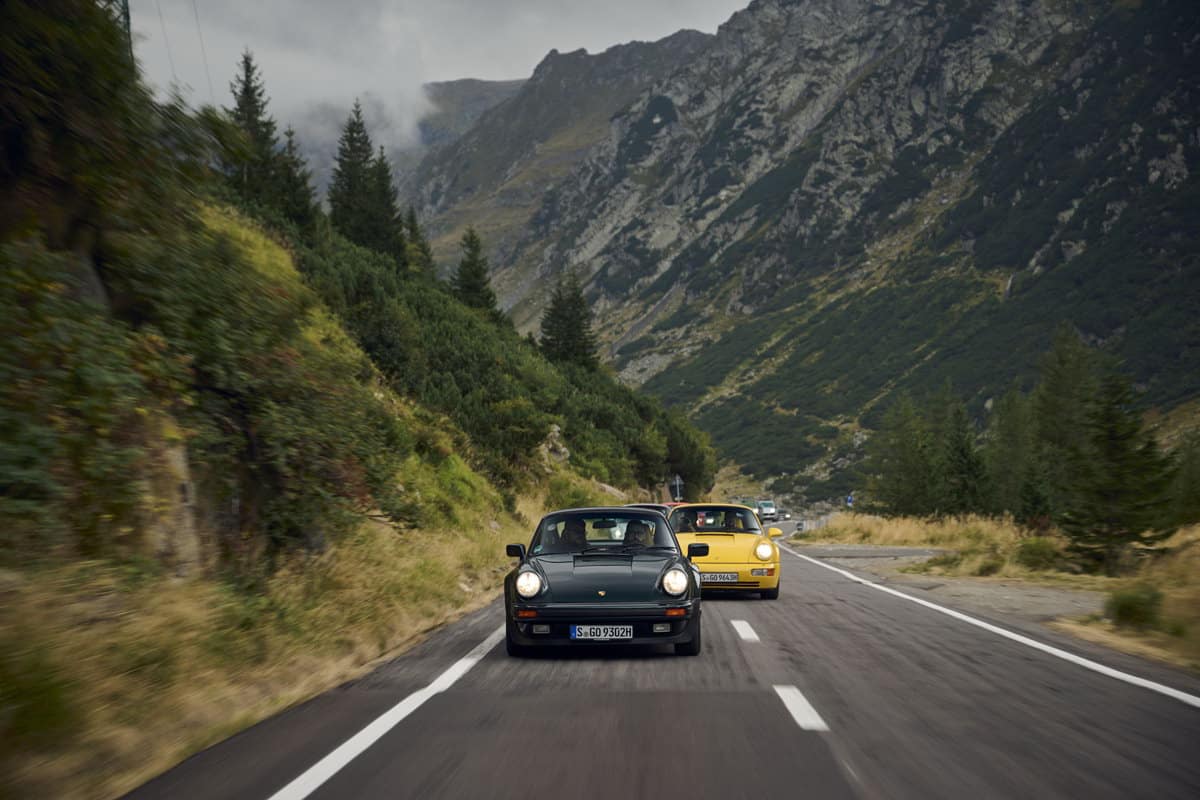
(316, 56)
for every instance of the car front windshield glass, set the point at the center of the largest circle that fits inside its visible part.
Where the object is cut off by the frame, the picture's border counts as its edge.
(714, 519)
(600, 532)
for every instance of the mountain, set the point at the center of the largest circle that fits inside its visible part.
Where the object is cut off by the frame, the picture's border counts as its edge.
(458, 104)
(495, 174)
(832, 201)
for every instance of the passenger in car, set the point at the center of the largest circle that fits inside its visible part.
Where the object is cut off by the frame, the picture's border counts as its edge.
(638, 533)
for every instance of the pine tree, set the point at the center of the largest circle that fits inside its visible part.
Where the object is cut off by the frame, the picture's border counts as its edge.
(1119, 497)
(567, 335)
(1008, 453)
(420, 254)
(901, 462)
(386, 229)
(470, 283)
(1066, 385)
(296, 199)
(350, 189)
(1185, 488)
(253, 173)
(963, 476)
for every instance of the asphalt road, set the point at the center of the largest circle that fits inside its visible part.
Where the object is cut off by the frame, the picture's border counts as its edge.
(836, 689)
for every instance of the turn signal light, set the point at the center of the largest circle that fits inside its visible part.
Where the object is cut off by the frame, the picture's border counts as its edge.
(676, 612)
(523, 613)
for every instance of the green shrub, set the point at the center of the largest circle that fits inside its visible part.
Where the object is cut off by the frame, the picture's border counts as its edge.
(1135, 607)
(1037, 552)
(35, 702)
(989, 566)
(567, 493)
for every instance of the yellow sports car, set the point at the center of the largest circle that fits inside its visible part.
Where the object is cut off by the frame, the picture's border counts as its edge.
(740, 555)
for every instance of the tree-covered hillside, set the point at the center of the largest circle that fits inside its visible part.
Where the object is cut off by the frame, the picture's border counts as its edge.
(164, 368)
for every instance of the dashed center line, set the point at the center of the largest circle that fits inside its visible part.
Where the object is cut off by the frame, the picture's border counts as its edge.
(744, 630)
(801, 710)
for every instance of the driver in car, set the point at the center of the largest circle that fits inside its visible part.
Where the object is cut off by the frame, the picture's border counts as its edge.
(574, 535)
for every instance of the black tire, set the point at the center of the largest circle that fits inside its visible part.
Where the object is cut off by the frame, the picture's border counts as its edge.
(691, 648)
(770, 594)
(511, 647)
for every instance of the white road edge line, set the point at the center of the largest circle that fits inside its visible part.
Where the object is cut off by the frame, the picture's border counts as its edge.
(744, 630)
(312, 778)
(1086, 663)
(802, 711)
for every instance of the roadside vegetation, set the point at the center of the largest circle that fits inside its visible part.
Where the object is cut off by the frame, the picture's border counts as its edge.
(246, 446)
(1066, 483)
(1152, 609)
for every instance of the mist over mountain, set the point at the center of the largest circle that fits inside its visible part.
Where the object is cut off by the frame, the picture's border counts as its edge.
(450, 108)
(832, 201)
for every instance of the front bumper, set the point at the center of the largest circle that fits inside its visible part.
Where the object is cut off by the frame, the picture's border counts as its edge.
(558, 619)
(746, 579)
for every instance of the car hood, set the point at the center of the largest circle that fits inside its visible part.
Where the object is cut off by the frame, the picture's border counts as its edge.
(622, 577)
(724, 548)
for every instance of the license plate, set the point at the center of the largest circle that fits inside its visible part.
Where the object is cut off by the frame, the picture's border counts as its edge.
(718, 577)
(600, 633)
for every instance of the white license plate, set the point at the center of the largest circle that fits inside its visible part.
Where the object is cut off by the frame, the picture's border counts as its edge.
(600, 633)
(718, 577)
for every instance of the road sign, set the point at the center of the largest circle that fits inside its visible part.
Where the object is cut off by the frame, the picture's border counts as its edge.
(677, 487)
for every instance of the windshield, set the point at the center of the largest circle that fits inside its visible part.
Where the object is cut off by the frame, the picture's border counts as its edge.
(714, 519)
(577, 532)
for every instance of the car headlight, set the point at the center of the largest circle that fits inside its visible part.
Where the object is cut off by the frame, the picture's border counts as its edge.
(764, 551)
(675, 581)
(528, 584)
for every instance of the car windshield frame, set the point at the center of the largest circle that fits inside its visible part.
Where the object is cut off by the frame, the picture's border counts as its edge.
(605, 532)
(718, 515)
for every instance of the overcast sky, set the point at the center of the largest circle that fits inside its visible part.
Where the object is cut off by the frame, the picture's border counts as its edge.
(315, 52)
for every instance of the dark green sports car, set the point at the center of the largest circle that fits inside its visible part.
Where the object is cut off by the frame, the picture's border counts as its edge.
(603, 576)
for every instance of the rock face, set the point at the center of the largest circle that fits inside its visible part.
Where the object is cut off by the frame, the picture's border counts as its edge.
(495, 175)
(834, 200)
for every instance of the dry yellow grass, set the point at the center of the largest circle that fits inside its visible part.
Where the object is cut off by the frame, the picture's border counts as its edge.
(152, 668)
(1000, 548)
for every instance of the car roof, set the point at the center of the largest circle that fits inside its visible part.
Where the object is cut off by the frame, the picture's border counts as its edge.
(713, 505)
(604, 510)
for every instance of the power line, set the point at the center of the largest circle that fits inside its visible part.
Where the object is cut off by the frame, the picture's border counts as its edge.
(212, 97)
(167, 41)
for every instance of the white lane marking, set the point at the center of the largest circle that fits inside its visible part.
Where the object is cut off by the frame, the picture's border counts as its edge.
(802, 711)
(744, 630)
(1086, 663)
(310, 780)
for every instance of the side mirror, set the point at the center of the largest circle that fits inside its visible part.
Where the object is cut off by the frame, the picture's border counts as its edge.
(515, 550)
(774, 533)
(697, 550)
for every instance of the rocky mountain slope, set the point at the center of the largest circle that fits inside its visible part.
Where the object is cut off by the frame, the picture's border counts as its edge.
(834, 200)
(494, 176)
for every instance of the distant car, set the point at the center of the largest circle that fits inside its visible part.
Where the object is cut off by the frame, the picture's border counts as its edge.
(785, 514)
(603, 576)
(740, 554)
(766, 510)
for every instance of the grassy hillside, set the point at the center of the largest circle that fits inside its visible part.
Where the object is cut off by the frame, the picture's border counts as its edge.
(239, 461)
